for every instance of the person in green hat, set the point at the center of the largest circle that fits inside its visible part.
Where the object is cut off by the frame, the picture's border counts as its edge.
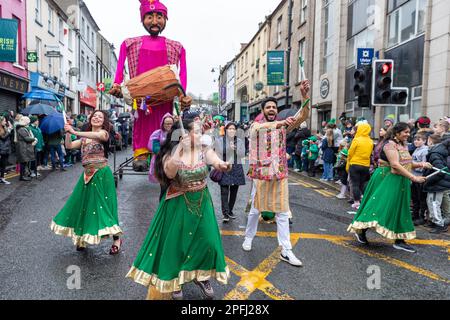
(313, 154)
(341, 164)
(38, 148)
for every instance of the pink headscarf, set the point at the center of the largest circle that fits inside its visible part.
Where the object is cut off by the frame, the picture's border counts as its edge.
(152, 6)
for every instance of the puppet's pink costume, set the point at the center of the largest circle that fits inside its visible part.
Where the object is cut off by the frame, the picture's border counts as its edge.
(143, 54)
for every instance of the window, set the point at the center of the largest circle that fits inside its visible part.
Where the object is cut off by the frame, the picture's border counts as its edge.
(61, 66)
(37, 10)
(83, 28)
(50, 20)
(82, 61)
(19, 52)
(303, 10)
(92, 72)
(328, 14)
(61, 31)
(301, 55)
(92, 39)
(70, 39)
(364, 39)
(406, 22)
(416, 102)
(360, 16)
(88, 39)
(39, 52)
(279, 30)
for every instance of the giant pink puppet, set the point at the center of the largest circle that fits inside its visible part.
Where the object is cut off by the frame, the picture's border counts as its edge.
(143, 54)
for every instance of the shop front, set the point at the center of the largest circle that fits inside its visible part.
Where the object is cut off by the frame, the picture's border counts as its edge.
(88, 101)
(12, 88)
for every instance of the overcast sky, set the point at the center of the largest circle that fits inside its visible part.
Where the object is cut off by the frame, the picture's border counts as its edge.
(210, 30)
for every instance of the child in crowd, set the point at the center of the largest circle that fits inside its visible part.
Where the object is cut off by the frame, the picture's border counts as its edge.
(438, 184)
(313, 155)
(419, 198)
(304, 155)
(328, 156)
(342, 173)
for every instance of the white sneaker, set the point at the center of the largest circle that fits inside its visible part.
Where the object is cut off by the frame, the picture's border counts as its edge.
(33, 175)
(3, 181)
(290, 258)
(247, 245)
(297, 170)
(356, 205)
(340, 196)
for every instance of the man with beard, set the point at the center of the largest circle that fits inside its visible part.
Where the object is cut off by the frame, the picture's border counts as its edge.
(143, 54)
(269, 171)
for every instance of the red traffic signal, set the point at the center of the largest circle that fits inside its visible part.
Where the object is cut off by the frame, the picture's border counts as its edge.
(385, 68)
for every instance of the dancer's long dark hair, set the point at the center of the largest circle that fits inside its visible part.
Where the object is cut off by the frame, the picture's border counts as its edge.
(392, 132)
(172, 140)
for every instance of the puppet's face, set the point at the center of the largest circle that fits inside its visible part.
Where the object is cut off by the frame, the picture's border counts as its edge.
(154, 23)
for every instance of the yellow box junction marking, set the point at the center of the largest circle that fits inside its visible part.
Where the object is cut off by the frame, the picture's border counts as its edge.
(256, 279)
(297, 182)
(393, 261)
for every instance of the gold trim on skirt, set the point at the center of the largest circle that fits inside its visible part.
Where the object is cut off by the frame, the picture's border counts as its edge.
(164, 286)
(357, 226)
(81, 241)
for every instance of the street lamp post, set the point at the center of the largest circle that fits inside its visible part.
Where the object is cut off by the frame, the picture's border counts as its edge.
(288, 53)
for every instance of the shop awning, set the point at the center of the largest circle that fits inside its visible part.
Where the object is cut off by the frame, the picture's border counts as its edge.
(39, 94)
(89, 97)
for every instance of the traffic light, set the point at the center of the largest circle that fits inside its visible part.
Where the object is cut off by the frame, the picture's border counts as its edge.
(383, 92)
(363, 86)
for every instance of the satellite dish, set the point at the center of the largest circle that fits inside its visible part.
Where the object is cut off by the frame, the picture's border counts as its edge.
(74, 72)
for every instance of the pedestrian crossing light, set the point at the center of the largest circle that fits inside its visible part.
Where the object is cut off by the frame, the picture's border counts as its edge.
(363, 86)
(383, 92)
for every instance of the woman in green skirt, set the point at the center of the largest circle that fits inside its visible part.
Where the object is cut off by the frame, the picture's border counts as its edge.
(386, 202)
(90, 214)
(183, 243)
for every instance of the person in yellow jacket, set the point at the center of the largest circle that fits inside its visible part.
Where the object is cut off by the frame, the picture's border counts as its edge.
(358, 163)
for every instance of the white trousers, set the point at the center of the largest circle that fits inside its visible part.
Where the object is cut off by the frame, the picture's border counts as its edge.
(283, 233)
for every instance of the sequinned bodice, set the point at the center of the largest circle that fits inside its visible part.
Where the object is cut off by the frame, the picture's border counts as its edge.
(405, 157)
(192, 177)
(93, 153)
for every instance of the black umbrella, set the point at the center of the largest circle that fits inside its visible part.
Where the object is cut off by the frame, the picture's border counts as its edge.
(286, 113)
(38, 109)
(125, 115)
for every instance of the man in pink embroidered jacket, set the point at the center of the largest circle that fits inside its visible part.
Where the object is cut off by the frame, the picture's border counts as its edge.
(143, 54)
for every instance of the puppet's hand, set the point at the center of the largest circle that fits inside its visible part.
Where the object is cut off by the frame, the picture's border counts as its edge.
(116, 91)
(185, 102)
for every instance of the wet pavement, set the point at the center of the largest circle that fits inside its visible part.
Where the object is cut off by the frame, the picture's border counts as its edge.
(35, 262)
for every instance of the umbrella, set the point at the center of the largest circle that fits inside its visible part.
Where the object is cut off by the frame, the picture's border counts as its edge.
(286, 113)
(38, 109)
(219, 117)
(125, 115)
(52, 123)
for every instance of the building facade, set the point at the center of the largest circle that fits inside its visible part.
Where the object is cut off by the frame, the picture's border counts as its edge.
(86, 33)
(51, 37)
(327, 33)
(14, 80)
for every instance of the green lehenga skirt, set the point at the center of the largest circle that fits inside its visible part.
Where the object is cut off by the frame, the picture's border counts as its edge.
(90, 214)
(386, 207)
(183, 244)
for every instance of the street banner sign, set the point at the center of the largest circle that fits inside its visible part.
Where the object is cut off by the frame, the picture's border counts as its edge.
(275, 68)
(8, 40)
(108, 83)
(365, 56)
(32, 57)
(216, 98)
(101, 86)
